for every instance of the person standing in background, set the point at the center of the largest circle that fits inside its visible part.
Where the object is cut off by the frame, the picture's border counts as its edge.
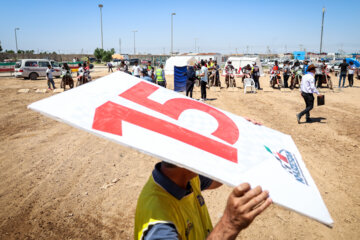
(287, 73)
(203, 80)
(343, 70)
(256, 75)
(190, 81)
(318, 73)
(160, 76)
(352, 69)
(136, 70)
(49, 77)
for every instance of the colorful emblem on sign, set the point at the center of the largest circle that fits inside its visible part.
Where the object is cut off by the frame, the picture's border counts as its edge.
(289, 162)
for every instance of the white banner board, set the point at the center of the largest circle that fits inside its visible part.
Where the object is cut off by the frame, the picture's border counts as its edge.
(191, 134)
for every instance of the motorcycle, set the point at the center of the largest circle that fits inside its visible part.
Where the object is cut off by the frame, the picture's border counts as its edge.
(230, 79)
(214, 79)
(296, 77)
(83, 77)
(275, 79)
(325, 79)
(66, 79)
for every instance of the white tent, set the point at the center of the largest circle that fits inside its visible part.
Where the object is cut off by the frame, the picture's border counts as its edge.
(207, 56)
(240, 62)
(178, 61)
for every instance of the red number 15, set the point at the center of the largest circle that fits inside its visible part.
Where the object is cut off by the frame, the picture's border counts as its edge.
(109, 116)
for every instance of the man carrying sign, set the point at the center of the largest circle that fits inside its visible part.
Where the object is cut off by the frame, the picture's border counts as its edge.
(171, 206)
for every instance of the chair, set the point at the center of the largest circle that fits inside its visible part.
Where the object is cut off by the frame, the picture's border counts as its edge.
(249, 82)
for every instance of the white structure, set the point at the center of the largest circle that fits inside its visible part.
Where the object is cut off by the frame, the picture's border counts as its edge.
(240, 62)
(207, 56)
(178, 61)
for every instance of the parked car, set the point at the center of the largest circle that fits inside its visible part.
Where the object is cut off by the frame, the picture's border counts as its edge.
(34, 68)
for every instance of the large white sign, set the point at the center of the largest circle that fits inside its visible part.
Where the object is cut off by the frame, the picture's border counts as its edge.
(191, 134)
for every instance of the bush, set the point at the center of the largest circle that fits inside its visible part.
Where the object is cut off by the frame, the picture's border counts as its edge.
(104, 55)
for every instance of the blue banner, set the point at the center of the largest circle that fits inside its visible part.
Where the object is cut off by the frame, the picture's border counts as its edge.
(180, 78)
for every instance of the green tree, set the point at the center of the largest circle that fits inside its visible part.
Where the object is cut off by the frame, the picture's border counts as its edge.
(107, 56)
(1, 48)
(9, 51)
(98, 53)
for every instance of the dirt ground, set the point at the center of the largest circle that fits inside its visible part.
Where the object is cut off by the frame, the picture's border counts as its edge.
(56, 181)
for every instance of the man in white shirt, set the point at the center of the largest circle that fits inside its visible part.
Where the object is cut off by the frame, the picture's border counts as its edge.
(307, 89)
(351, 71)
(203, 80)
(136, 70)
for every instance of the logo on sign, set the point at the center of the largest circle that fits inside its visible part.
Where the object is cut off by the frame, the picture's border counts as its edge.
(289, 162)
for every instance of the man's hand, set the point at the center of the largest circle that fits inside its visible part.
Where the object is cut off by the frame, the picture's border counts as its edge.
(243, 205)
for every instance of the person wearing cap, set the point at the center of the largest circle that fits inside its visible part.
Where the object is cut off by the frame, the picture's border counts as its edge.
(171, 206)
(308, 88)
(160, 76)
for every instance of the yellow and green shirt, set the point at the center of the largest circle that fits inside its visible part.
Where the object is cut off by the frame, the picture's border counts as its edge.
(163, 205)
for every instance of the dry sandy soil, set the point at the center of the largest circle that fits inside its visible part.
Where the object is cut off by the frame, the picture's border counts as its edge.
(52, 175)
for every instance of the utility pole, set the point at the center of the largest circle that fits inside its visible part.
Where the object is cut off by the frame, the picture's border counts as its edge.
(172, 14)
(134, 31)
(322, 28)
(16, 39)
(119, 45)
(102, 44)
(195, 44)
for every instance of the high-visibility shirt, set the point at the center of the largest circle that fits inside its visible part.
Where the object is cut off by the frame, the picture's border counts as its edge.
(189, 214)
(159, 75)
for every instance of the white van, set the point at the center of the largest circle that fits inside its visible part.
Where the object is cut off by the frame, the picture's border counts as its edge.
(34, 68)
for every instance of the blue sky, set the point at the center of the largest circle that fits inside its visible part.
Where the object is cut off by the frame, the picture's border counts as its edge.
(219, 26)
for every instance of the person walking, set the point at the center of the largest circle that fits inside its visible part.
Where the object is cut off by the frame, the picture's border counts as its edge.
(352, 69)
(136, 70)
(191, 77)
(49, 77)
(307, 89)
(110, 67)
(343, 70)
(306, 65)
(160, 76)
(203, 80)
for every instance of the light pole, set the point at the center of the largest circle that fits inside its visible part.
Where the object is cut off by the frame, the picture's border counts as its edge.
(172, 14)
(322, 28)
(102, 43)
(195, 43)
(134, 31)
(16, 39)
(119, 45)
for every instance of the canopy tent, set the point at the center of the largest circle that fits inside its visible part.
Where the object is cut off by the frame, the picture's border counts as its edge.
(178, 61)
(207, 56)
(240, 62)
(117, 56)
(356, 62)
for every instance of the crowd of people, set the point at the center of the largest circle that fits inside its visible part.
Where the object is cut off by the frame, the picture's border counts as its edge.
(321, 73)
